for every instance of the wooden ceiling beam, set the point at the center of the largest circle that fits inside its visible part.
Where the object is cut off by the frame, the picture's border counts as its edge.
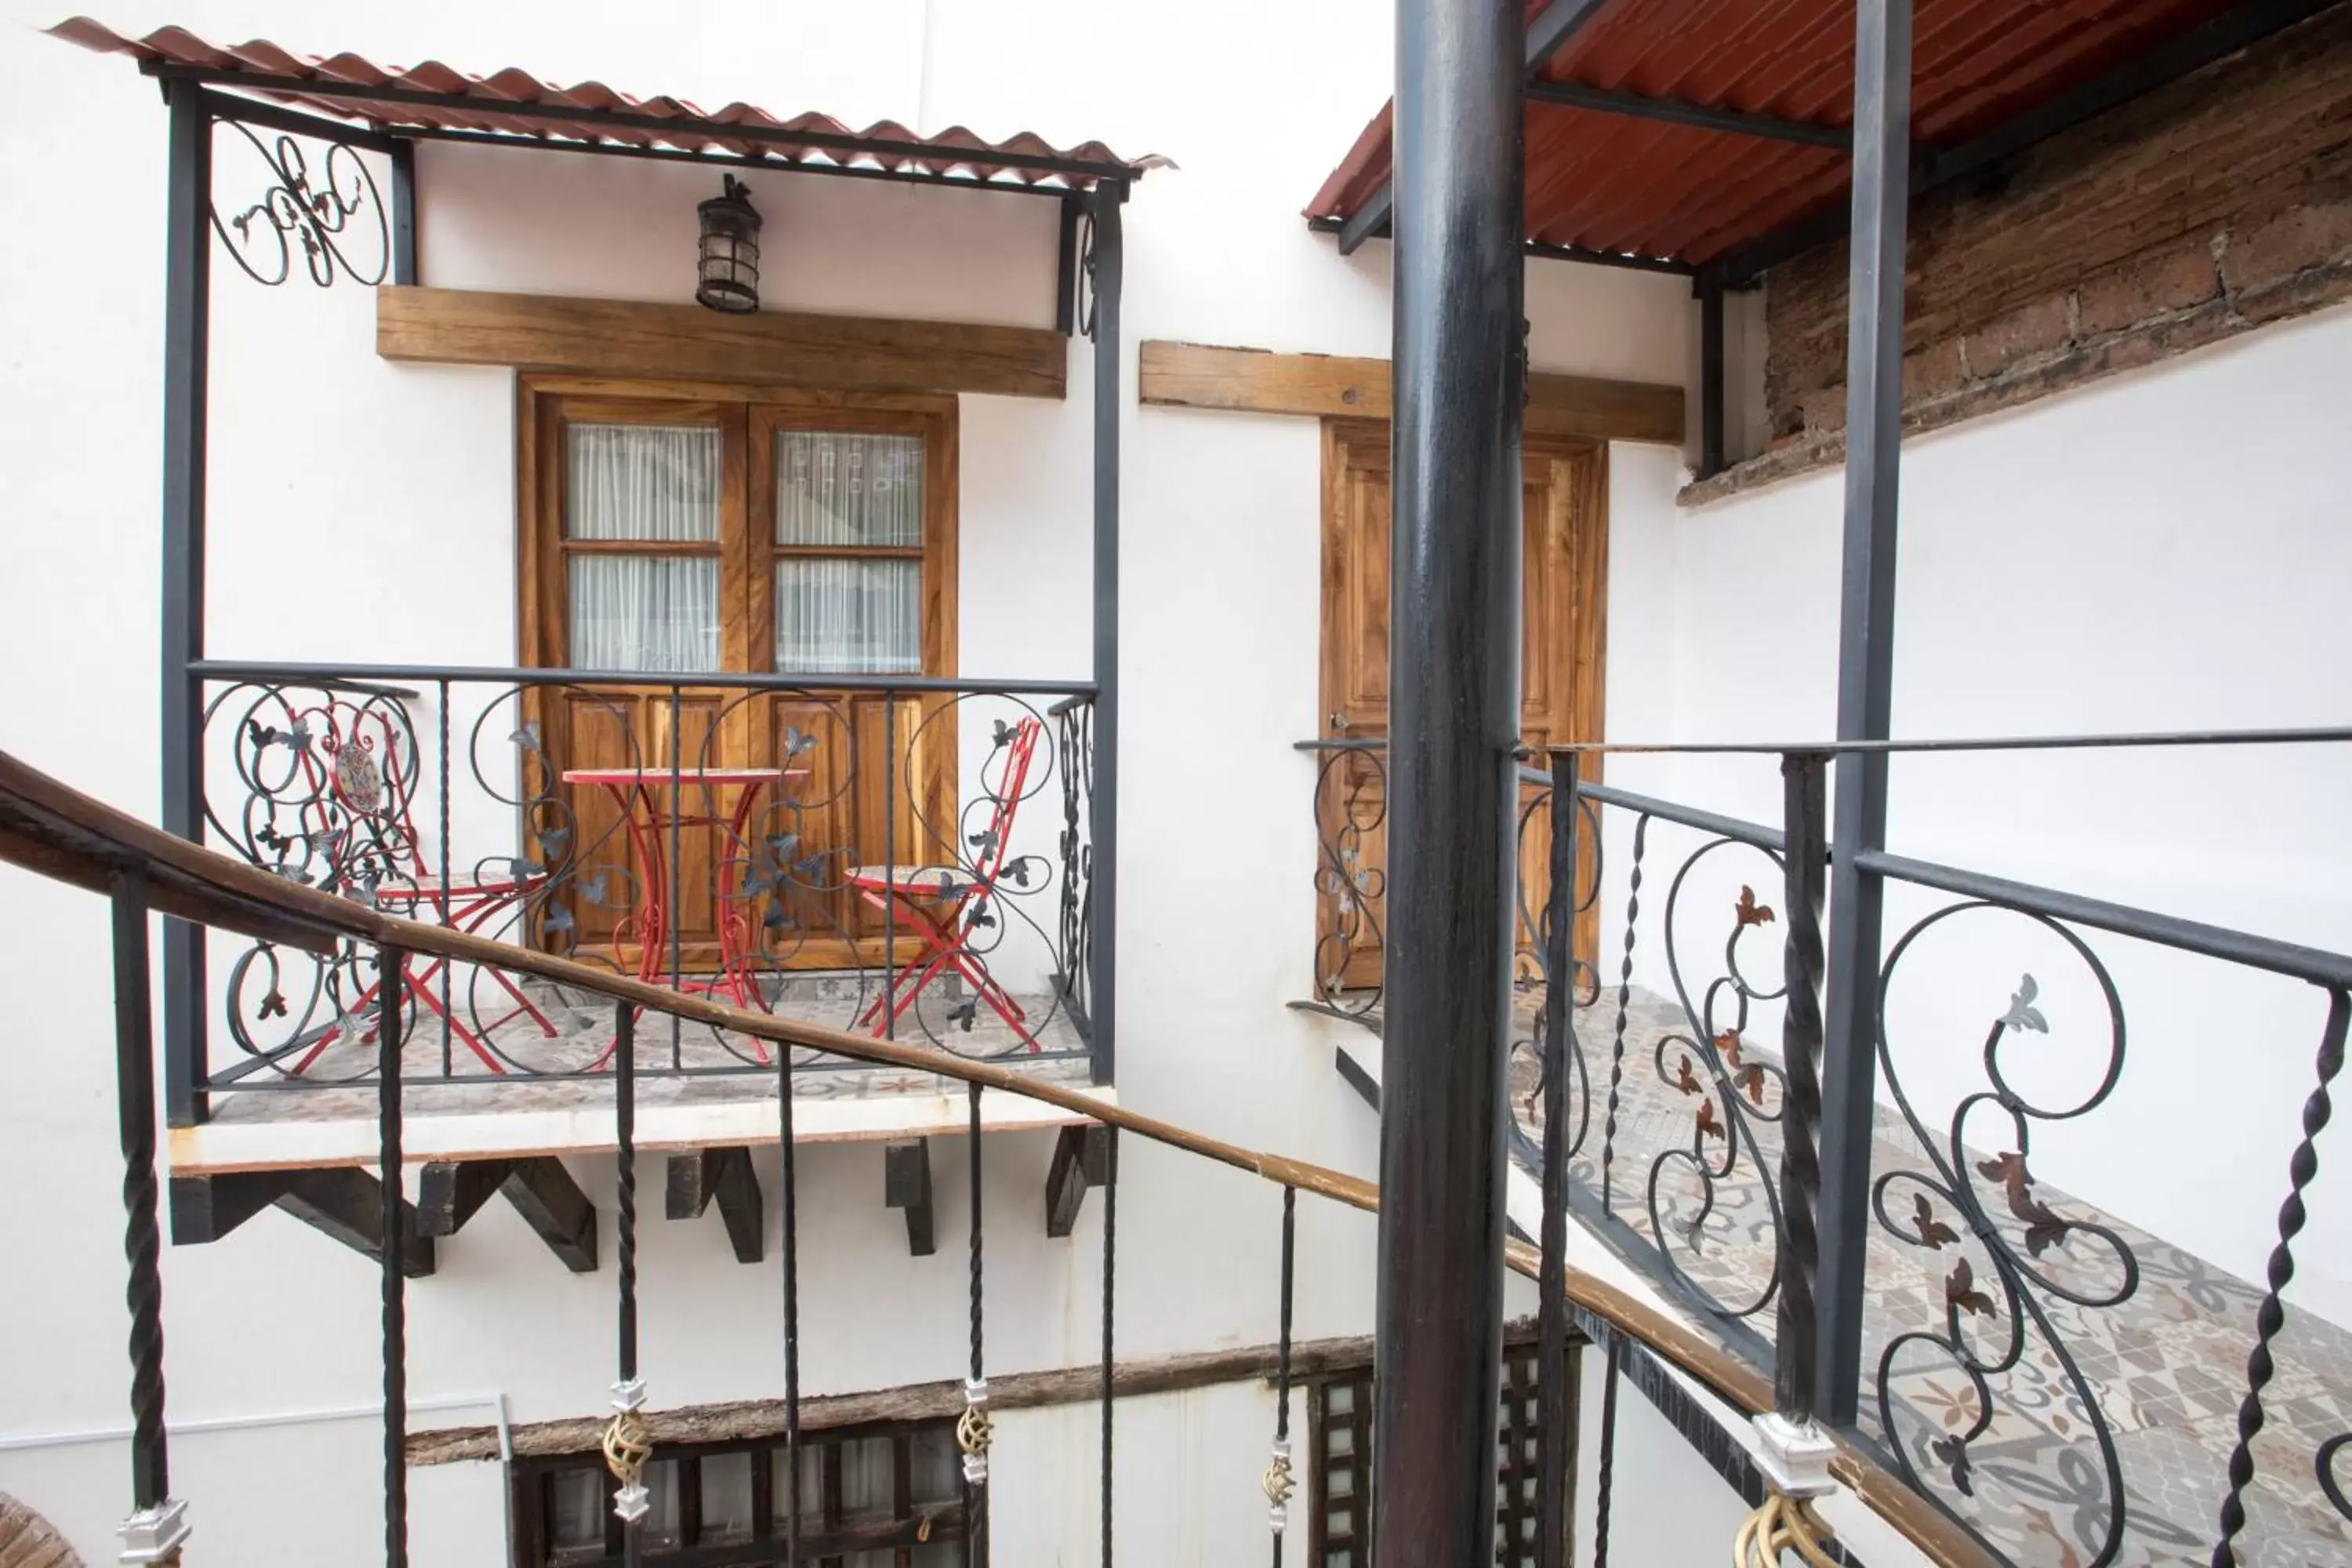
(1257, 381)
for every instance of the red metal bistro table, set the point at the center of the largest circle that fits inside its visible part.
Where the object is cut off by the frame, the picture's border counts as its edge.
(633, 791)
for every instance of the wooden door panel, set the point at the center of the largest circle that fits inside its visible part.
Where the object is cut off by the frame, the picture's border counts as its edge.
(1565, 576)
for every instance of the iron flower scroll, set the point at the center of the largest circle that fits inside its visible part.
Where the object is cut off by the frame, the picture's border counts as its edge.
(321, 215)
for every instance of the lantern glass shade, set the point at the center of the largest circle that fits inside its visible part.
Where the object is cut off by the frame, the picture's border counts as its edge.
(728, 275)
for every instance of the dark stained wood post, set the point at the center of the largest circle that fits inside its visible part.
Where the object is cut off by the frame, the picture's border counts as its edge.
(1454, 734)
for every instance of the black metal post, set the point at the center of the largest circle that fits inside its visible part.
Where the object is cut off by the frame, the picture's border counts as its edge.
(1710, 378)
(403, 212)
(1874, 424)
(1109, 1320)
(187, 312)
(788, 1199)
(134, 1087)
(389, 976)
(1554, 1407)
(1804, 864)
(1452, 774)
(1107, 264)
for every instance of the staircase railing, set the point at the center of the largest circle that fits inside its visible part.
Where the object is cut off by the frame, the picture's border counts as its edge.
(52, 829)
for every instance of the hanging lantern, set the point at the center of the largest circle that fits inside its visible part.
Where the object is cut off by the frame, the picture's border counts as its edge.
(730, 273)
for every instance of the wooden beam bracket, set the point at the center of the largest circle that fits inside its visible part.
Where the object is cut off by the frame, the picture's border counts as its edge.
(344, 1202)
(1081, 1160)
(541, 1190)
(725, 1175)
(907, 1185)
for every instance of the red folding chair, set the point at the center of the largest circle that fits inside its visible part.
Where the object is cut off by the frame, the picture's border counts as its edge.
(940, 904)
(365, 787)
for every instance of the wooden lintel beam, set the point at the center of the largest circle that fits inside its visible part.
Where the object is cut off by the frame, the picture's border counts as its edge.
(725, 1174)
(1081, 1160)
(1257, 381)
(539, 1189)
(686, 343)
(907, 1185)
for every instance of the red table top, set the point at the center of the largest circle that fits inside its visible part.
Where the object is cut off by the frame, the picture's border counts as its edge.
(657, 777)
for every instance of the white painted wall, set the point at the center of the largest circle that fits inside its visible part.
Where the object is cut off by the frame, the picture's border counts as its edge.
(362, 510)
(2161, 551)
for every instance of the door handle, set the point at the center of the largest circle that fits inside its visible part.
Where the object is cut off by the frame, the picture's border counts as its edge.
(1339, 721)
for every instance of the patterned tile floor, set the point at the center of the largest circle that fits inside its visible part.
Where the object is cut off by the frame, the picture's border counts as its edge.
(583, 1035)
(2166, 1365)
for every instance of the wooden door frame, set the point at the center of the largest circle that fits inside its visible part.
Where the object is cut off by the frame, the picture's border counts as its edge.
(749, 417)
(1584, 603)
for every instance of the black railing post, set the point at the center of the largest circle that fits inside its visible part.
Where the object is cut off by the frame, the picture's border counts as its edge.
(1554, 1405)
(390, 982)
(1804, 863)
(157, 1524)
(403, 212)
(1454, 775)
(187, 312)
(1106, 265)
(1710, 378)
(1882, 151)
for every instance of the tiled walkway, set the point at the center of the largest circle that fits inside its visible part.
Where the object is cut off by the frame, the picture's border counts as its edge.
(2166, 1366)
(584, 1036)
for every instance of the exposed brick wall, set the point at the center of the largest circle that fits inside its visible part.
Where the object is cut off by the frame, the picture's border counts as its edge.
(2208, 208)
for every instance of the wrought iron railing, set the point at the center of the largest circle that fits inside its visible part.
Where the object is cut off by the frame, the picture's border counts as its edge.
(2002, 1323)
(50, 830)
(727, 833)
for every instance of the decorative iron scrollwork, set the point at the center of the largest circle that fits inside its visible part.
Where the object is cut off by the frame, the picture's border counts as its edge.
(1997, 1219)
(1351, 813)
(321, 218)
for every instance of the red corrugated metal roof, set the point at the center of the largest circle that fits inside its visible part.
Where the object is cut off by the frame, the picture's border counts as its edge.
(513, 103)
(1608, 182)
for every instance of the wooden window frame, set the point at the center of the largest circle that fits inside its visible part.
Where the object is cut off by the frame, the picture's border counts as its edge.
(531, 1484)
(749, 417)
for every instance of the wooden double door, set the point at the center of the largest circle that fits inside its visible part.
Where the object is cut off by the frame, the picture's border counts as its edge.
(1563, 641)
(672, 531)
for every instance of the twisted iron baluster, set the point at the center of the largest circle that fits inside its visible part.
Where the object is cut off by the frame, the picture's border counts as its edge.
(134, 1044)
(789, 1199)
(972, 1433)
(1795, 1356)
(1624, 1000)
(1607, 1450)
(1110, 1283)
(1277, 1483)
(625, 1446)
(2271, 1316)
(1553, 1414)
(389, 964)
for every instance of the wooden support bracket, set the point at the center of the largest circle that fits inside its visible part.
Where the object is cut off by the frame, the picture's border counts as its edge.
(344, 1202)
(725, 1175)
(907, 1185)
(1081, 1157)
(540, 1189)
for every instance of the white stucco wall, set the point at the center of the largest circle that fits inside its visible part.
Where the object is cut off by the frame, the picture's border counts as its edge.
(2162, 551)
(362, 510)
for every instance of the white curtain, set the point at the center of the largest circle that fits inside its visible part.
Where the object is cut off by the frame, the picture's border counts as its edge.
(837, 487)
(848, 615)
(860, 614)
(643, 483)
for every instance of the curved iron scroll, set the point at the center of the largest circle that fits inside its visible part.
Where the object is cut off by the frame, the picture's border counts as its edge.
(1986, 1208)
(321, 219)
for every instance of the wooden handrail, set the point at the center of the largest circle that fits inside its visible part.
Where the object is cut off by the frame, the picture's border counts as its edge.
(48, 827)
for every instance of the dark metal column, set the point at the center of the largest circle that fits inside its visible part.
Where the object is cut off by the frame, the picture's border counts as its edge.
(187, 295)
(1104, 262)
(1454, 702)
(1874, 423)
(1710, 378)
(403, 212)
